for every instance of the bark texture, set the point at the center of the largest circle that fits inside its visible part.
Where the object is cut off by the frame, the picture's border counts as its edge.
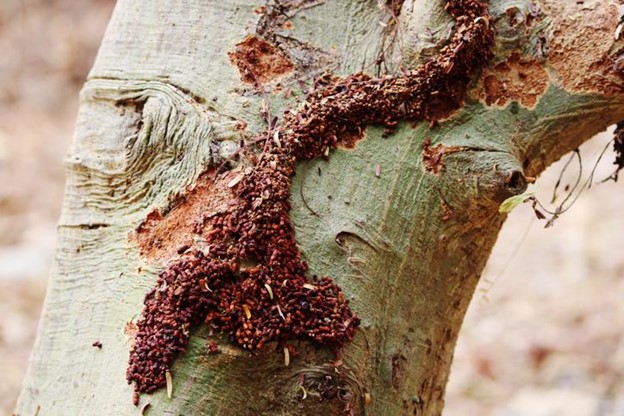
(404, 224)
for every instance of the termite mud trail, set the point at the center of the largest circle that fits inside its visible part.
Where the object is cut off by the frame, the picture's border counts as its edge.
(251, 281)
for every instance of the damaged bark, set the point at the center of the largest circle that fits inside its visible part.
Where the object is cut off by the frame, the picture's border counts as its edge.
(201, 162)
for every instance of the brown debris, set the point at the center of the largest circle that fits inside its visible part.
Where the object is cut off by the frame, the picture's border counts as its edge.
(394, 6)
(433, 156)
(130, 329)
(579, 48)
(209, 285)
(213, 348)
(399, 362)
(517, 79)
(259, 62)
(350, 139)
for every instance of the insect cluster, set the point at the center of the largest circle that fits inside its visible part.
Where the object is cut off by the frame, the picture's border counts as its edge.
(252, 283)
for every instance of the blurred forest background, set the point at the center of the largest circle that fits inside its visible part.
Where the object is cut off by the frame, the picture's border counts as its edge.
(544, 335)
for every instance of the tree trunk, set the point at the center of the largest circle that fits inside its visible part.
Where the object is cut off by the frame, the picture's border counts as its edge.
(404, 223)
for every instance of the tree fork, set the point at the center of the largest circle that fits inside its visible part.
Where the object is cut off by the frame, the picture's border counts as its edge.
(407, 245)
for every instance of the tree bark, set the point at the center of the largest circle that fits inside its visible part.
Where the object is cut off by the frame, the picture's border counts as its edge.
(403, 223)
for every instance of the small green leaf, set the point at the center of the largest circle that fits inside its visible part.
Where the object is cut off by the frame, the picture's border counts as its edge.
(510, 203)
